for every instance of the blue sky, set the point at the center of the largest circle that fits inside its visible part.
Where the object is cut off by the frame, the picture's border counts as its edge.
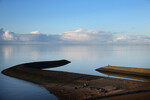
(127, 17)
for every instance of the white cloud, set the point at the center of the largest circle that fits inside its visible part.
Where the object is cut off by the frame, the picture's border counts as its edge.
(35, 32)
(78, 36)
(132, 39)
(74, 36)
(8, 35)
(120, 38)
(86, 35)
(147, 39)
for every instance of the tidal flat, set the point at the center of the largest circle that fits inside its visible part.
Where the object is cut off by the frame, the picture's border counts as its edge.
(75, 86)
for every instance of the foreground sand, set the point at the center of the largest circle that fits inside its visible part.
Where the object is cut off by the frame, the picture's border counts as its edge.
(135, 96)
(74, 86)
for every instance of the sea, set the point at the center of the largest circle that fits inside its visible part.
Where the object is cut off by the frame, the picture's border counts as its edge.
(84, 59)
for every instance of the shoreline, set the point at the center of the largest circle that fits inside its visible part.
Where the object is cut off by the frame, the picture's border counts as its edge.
(75, 86)
(143, 72)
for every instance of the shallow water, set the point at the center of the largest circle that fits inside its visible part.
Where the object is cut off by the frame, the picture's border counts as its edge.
(84, 59)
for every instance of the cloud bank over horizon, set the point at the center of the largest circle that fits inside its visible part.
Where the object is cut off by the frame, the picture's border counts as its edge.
(78, 36)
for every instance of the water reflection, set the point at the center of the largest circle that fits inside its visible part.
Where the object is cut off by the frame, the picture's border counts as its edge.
(127, 76)
(26, 53)
(136, 56)
(79, 52)
(85, 58)
(7, 51)
(75, 52)
(15, 89)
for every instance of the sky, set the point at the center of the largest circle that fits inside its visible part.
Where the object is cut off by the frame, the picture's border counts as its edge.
(54, 17)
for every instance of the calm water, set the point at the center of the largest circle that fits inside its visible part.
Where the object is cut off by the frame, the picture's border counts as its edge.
(84, 59)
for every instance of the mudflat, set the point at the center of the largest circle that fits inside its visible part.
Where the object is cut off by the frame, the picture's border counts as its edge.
(135, 96)
(75, 86)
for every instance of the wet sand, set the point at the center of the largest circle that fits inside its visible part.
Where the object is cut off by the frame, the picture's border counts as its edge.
(135, 96)
(75, 86)
(132, 77)
(126, 70)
